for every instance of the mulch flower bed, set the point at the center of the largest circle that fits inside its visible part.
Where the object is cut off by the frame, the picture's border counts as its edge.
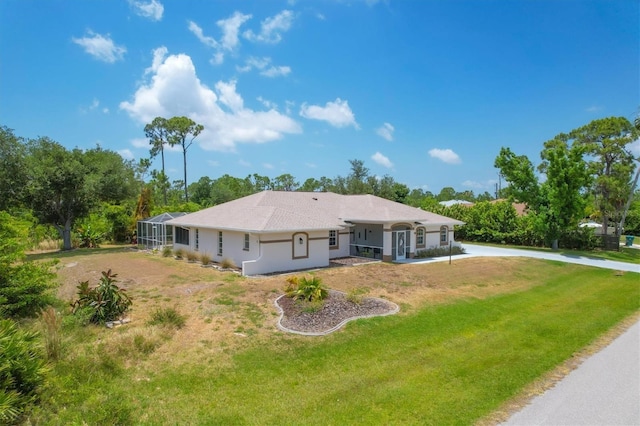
(334, 313)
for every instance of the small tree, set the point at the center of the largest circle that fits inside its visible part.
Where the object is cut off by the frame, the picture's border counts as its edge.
(182, 131)
(24, 285)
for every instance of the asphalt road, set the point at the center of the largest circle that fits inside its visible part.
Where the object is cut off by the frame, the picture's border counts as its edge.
(605, 388)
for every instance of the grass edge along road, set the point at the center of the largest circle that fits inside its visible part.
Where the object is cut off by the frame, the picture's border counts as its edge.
(454, 363)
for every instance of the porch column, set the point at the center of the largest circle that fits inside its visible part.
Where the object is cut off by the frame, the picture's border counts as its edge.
(387, 243)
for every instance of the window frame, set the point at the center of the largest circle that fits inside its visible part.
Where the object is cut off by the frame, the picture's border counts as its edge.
(220, 243)
(182, 235)
(246, 246)
(444, 235)
(421, 234)
(335, 244)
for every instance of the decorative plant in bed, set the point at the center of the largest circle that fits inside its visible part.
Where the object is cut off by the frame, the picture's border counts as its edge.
(308, 307)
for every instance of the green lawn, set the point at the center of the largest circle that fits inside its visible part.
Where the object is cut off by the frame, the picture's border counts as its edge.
(445, 364)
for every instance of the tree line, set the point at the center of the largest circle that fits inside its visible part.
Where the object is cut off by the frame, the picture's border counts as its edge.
(86, 196)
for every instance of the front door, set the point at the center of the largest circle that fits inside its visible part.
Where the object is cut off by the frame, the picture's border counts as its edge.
(401, 248)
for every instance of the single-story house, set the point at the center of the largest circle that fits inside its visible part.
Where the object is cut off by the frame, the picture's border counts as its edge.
(277, 231)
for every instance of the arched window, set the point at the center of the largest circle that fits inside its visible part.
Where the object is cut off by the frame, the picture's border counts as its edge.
(444, 235)
(420, 237)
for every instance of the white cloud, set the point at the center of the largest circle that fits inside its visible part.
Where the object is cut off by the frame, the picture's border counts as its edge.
(337, 113)
(158, 58)
(101, 47)
(152, 9)
(268, 166)
(229, 96)
(244, 163)
(289, 106)
(445, 155)
(267, 103)
(126, 154)
(272, 27)
(473, 184)
(386, 131)
(276, 71)
(265, 67)
(95, 104)
(634, 147)
(175, 89)
(230, 28)
(213, 163)
(140, 143)
(594, 108)
(311, 165)
(382, 160)
(197, 31)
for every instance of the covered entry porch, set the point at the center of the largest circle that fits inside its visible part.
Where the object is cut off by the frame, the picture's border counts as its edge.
(398, 241)
(381, 242)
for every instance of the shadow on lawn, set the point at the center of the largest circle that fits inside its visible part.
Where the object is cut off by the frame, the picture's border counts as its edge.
(65, 254)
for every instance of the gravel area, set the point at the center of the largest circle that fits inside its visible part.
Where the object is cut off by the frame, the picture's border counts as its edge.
(336, 312)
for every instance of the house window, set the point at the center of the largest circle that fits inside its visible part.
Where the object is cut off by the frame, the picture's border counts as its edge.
(182, 236)
(246, 242)
(197, 243)
(219, 243)
(444, 235)
(420, 237)
(333, 239)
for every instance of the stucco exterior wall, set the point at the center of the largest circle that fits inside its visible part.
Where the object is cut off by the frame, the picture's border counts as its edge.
(283, 252)
(232, 245)
(432, 239)
(344, 239)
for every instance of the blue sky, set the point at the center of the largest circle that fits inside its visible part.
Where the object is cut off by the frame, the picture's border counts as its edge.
(424, 91)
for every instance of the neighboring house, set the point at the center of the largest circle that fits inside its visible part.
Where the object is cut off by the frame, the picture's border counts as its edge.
(277, 231)
(598, 228)
(521, 208)
(450, 203)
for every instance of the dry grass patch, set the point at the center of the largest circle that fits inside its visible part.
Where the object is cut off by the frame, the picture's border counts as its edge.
(225, 309)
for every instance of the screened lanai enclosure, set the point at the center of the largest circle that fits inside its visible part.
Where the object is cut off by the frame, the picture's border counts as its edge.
(153, 233)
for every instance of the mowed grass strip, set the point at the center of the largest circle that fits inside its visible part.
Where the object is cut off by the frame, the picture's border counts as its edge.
(449, 364)
(444, 364)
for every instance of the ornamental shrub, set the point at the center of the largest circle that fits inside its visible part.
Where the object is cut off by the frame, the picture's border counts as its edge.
(106, 302)
(24, 285)
(308, 289)
(22, 370)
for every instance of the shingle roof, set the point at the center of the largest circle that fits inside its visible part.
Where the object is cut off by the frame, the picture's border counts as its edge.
(279, 211)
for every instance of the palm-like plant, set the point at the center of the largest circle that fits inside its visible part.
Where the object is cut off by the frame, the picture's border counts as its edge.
(309, 289)
(107, 301)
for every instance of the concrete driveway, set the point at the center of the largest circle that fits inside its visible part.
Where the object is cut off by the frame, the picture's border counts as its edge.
(604, 389)
(473, 250)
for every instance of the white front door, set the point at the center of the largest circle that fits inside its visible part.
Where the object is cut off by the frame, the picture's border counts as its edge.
(401, 249)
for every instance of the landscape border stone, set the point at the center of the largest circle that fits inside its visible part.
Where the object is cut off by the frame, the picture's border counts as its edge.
(395, 309)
